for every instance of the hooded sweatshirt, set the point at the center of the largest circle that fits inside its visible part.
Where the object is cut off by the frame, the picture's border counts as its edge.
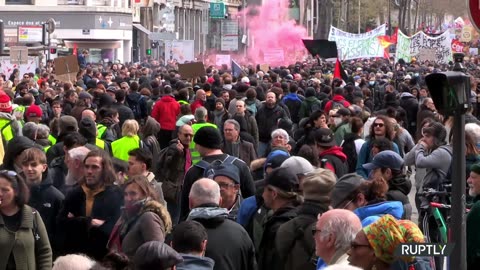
(399, 188)
(336, 160)
(192, 262)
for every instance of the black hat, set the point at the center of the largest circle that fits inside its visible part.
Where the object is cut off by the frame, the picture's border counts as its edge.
(324, 137)
(283, 179)
(208, 137)
(156, 255)
(88, 128)
(228, 170)
(342, 112)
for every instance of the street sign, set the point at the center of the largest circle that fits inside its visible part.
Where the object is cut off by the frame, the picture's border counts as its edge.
(19, 55)
(474, 13)
(217, 10)
(162, 36)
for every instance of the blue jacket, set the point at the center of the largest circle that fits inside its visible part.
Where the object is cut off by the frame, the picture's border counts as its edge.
(247, 210)
(370, 213)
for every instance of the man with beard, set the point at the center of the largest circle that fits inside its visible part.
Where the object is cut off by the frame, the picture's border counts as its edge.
(267, 118)
(76, 171)
(91, 208)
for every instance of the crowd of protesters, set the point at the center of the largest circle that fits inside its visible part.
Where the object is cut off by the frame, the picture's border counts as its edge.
(135, 167)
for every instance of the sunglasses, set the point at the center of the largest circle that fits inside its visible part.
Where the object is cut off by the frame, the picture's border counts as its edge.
(378, 124)
(9, 173)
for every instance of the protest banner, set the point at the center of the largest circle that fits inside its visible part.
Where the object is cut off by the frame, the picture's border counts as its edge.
(354, 46)
(222, 59)
(408, 47)
(191, 70)
(426, 54)
(7, 67)
(179, 50)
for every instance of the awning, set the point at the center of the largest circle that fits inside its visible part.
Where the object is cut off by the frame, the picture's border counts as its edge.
(141, 28)
(98, 44)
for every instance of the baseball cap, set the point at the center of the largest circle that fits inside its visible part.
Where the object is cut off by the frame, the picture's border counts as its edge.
(275, 159)
(344, 188)
(324, 137)
(342, 112)
(385, 159)
(283, 179)
(298, 165)
(34, 111)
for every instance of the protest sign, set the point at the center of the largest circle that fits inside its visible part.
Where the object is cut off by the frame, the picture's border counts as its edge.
(426, 54)
(354, 46)
(191, 70)
(179, 50)
(274, 56)
(66, 68)
(222, 59)
(408, 47)
(457, 46)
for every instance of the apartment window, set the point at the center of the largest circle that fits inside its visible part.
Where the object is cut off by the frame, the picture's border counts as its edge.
(18, 2)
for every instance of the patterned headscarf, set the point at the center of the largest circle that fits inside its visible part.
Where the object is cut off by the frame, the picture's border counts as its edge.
(387, 233)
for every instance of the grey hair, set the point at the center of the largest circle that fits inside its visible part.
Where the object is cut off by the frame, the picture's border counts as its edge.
(73, 262)
(203, 193)
(474, 130)
(78, 153)
(30, 130)
(282, 132)
(343, 230)
(201, 113)
(43, 131)
(234, 122)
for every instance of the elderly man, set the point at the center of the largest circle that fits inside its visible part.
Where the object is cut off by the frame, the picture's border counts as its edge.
(333, 234)
(76, 171)
(228, 178)
(241, 112)
(200, 99)
(473, 219)
(234, 145)
(204, 202)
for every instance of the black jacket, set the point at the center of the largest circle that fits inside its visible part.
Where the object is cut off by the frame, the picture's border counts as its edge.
(47, 200)
(58, 170)
(228, 243)
(247, 187)
(410, 104)
(267, 119)
(268, 256)
(399, 188)
(295, 241)
(13, 149)
(80, 236)
(124, 113)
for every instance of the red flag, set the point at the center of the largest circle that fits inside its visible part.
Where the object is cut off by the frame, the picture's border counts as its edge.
(339, 72)
(75, 49)
(385, 41)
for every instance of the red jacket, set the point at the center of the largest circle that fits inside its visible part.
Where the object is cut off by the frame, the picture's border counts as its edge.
(165, 112)
(337, 98)
(196, 104)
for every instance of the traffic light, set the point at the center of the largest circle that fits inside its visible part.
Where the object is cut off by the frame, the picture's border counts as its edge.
(53, 51)
(149, 51)
(154, 44)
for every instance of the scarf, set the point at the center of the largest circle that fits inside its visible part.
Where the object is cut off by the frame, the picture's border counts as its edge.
(218, 116)
(90, 197)
(188, 159)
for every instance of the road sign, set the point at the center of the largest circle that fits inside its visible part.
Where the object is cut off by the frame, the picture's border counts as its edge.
(19, 55)
(162, 36)
(217, 10)
(474, 13)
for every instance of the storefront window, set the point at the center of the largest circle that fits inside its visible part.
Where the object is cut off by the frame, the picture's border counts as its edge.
(18, 2)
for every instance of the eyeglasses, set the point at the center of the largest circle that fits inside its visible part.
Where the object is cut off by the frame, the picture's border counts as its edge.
(378, 124)
(354, 245)
(225, 185)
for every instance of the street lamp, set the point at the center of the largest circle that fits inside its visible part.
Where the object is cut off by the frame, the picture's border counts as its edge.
(450, 92)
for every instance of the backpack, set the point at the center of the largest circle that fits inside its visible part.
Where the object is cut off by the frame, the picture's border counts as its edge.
(252, 108)
(316, 106)
(209, 168)
(135, 106)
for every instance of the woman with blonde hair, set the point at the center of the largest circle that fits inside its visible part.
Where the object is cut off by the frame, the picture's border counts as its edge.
(129, 141)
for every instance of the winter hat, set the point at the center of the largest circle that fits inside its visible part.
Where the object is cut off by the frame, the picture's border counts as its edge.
(245, 80)
(156, 255)
(68, 123)
(283, 179)
(437, 131)
(342, 112)
(210, 80)
(391, 99)
(5, 103)
(208, 137)
(228, 170)
(88, 129)
(34, 111)
(318, 184)
(84, 95)
(221, 100)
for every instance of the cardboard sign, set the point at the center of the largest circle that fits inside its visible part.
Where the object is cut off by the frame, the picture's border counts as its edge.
(222, 59)
(265, 68)
(69, 77)
(67, 64)
(19, 55)
(191, 70)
